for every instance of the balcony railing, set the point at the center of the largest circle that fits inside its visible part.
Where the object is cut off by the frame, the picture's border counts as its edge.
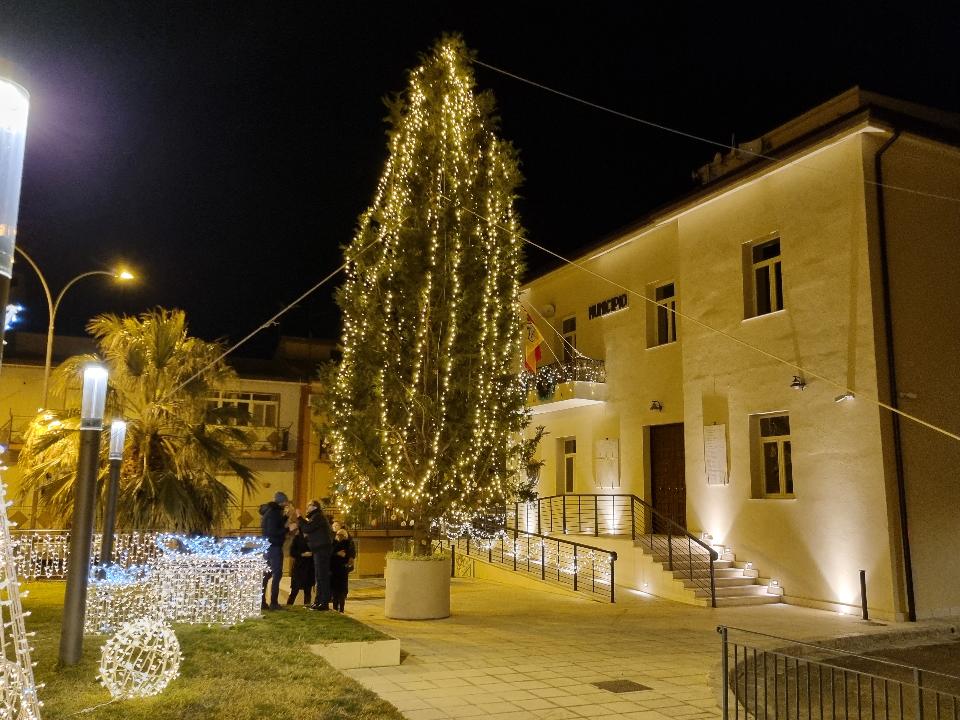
(572, 384)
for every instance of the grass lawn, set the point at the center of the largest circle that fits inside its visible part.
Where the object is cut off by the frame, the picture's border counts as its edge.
(259, 670)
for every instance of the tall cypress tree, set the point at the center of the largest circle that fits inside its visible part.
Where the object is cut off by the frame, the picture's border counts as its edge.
(425, 408)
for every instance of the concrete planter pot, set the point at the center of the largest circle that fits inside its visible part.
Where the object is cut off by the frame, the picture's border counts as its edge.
(417, 589)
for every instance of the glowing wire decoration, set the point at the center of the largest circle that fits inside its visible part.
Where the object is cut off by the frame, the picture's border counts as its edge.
(140, 660)
(202, 580)
(18, 694)
(117, 595)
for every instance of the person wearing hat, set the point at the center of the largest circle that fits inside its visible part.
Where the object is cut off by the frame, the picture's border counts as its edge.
(274, 528)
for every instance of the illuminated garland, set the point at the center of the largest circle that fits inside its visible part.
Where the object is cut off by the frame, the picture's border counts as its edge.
(140, 660)
(44, 554)
(18, 693)
(547, 377)
(425, 407)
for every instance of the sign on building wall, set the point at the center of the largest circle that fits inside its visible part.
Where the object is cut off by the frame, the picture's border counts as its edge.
(606, 462)
(715, 454)
(607, 307)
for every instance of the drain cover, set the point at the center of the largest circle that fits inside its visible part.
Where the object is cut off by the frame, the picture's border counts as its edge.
(620, 686)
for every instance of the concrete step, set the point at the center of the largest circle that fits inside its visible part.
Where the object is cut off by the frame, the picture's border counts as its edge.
(736, 591)
(705, 574)
(747, 600)
(725, 582)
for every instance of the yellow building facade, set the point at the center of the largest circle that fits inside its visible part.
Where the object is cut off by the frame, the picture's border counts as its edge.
(816, 263)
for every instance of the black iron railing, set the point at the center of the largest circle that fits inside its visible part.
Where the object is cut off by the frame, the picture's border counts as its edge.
(766, 676)
(689, 559)
(584, 569)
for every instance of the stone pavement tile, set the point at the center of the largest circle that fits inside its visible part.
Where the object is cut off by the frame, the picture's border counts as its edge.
(483, 680)
(442, 693)
(427, 714)
(549, 692)
(452, 682)
(530, 685)
(645, 715)
(680, 711)
(535, 704)
(497, 707)
(415, 684)
(621, 706)
(405, 702)
(511, 694)
(555, 714)
(512, 715)
(656, 703)
(465, 711)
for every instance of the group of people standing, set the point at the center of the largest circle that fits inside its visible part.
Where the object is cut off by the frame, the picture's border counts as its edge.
(323, 554)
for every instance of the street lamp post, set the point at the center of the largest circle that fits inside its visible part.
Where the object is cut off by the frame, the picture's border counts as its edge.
(118, 433)
(14, 108)
(54, 304)
(92, 401)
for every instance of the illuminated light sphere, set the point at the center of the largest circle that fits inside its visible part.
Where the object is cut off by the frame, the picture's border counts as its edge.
(140, 660)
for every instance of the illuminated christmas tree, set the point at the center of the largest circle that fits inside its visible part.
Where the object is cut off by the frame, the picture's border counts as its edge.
(425, 408)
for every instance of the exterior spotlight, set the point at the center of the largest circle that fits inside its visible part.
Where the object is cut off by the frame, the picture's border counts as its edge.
(124, 275)
(656, 405)
(798, 383)
(845, 396)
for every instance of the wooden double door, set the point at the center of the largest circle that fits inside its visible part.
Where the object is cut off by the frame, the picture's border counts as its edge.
(668, 483)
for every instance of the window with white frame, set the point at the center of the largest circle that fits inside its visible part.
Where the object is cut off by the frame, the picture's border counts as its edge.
(774, 456)
(666, 298)
(763, 281)
(252, 409)
(569, 332)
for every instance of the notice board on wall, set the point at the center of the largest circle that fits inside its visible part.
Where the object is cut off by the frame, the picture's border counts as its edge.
(606, 462)
(715, 454)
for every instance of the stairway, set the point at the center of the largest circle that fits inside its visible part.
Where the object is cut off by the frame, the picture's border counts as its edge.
(737, 583)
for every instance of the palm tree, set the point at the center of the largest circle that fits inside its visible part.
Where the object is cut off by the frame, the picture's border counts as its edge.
(174, 449)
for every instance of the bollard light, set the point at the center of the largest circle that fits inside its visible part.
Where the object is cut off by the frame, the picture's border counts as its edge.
(93, 398)
(118, 433)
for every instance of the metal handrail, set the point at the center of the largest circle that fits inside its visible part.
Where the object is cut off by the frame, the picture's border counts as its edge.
(588, 516)
(786, 685)
(572, 565)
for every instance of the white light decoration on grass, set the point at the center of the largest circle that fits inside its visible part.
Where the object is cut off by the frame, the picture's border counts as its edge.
(117, 595)
(213, 582)
(18, 694)
(140, 660)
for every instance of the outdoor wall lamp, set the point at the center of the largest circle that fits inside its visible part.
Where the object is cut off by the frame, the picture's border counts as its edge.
(655, 405)
(798, 383)
(845, 396)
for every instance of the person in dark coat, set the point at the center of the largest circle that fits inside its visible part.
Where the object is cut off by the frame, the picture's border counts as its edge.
(301, 576)
(341, 563)
(316, 529)
(273, 526)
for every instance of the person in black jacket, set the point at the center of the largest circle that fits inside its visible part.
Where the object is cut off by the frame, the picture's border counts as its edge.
(301, 576)
(273, 527)
(341, 563)
(316, 528)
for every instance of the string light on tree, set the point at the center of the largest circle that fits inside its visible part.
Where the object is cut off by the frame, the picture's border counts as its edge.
(426, 405)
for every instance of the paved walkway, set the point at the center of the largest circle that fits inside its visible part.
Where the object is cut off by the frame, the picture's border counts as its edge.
(509, 652)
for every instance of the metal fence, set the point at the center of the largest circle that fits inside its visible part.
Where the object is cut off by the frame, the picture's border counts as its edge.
(803, 681)
(689, 559)
(581, 568)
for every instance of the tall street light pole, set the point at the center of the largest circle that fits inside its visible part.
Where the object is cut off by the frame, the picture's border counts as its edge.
(54, 304)
(14, 107)
(92, 401)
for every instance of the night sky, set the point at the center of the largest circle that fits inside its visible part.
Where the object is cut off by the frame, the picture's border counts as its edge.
(225, 149)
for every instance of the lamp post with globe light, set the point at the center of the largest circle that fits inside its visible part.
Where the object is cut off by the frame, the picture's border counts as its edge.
(54, 304)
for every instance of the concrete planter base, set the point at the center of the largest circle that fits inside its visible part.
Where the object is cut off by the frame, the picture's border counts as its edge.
(417, 589)
(347, 655)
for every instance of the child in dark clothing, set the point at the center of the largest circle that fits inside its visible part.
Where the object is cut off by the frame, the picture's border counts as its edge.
(301, 575)
(341, 563)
